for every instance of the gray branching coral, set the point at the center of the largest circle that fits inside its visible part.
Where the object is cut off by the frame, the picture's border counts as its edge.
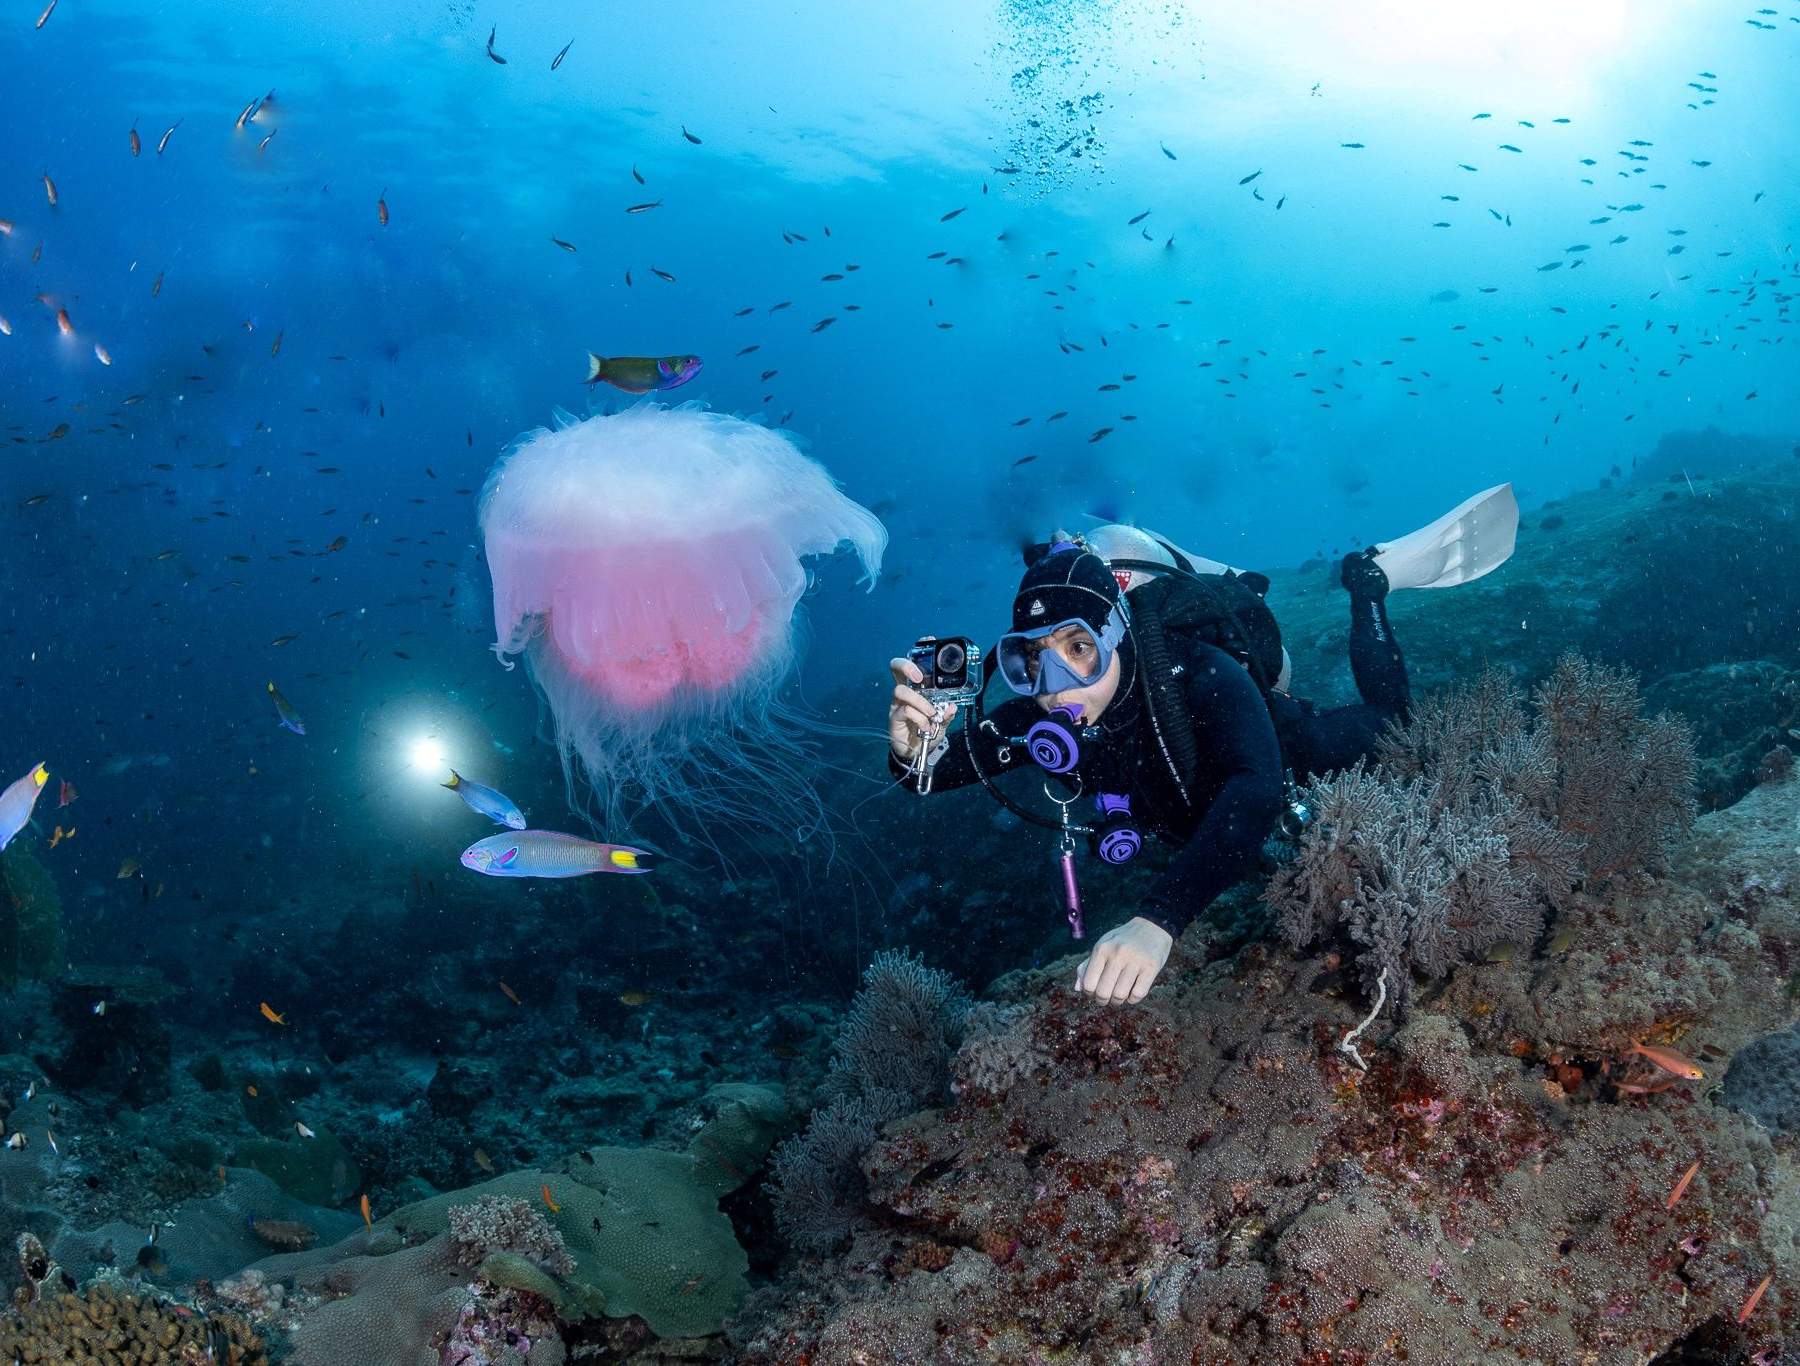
(1480, 817)
(892, 1057)
(504, 1223)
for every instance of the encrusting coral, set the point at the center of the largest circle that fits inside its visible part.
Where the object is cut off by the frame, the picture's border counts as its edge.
(1479, 820)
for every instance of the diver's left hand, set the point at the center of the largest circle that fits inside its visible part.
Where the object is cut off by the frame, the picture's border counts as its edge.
(1125, 962)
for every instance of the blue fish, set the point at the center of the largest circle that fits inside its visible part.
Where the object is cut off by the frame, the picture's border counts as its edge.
(18, 799)
(485, 801)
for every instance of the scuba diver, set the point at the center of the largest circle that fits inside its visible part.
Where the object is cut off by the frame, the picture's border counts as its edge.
(1153, 683)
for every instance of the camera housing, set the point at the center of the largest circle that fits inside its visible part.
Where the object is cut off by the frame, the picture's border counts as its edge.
(951, 665)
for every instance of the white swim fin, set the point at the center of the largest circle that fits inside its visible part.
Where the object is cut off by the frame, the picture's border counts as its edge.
(1473, 538)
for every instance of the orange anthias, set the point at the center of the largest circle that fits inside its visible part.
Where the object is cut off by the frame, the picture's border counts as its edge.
(1682, 1185)
(557, 1209)
(269, 1014)
(1669, 1060)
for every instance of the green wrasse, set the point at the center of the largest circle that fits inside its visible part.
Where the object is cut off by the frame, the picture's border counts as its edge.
(642, 374)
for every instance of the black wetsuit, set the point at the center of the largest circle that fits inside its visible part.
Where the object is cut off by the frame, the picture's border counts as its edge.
(1245, 745)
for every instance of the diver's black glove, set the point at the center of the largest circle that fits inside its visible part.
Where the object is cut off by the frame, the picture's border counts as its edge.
(1363, 577)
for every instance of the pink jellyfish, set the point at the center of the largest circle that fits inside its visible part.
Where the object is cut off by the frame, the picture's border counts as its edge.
(647, 565)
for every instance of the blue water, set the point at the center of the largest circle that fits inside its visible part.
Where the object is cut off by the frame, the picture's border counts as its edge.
(1304, 359)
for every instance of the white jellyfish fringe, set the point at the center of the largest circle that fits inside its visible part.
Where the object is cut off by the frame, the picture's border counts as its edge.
(703, 763)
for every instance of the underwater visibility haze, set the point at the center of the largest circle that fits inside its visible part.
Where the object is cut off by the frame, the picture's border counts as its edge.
(1312, 488)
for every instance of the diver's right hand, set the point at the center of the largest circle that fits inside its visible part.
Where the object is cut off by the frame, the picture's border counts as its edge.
(909, 714)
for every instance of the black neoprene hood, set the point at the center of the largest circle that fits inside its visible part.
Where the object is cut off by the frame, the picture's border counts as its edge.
(1072, 584)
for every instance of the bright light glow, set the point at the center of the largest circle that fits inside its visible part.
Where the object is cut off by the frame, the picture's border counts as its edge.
(428, 756)
(1482, 50)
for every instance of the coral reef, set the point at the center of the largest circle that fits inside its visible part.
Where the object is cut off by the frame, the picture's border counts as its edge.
(616, 1232)
(499, 1223)
(111, 1323)
(1479, 820)
(892, 1056)
(1206, 1178)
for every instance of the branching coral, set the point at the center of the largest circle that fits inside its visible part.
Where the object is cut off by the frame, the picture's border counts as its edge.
(900, 1033)
(505, 1223)
(1479, 818)
(892, 1057)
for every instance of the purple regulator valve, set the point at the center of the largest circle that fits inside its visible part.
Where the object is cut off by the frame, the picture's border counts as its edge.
(1116, 836)
(1055, 741)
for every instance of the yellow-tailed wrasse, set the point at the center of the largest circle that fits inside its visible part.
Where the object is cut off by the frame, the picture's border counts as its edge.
(642, 374)
(548, 853)
(284, 711)
(487, 801)
(17, 801)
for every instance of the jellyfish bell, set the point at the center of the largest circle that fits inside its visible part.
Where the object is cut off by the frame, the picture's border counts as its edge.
(647, 565)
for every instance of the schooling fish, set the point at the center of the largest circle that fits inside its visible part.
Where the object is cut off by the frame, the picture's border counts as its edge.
(163, 141)
(18, 800)
(485, 801)
(642, 374)
(285, 711)
(546, 853)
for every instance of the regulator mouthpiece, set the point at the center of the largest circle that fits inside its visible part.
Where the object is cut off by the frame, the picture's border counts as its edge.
(1055, 741)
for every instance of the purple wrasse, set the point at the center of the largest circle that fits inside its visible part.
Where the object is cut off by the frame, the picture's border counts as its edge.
(548, 853)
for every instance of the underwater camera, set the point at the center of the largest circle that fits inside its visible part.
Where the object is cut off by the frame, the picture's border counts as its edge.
(951, 667)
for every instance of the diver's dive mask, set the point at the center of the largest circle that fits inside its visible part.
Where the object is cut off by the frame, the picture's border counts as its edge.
(1033, 667)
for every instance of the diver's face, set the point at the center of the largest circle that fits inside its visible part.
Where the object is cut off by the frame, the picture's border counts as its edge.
(1080, 653)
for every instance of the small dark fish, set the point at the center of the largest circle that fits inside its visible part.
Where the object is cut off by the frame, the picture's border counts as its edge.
(689, 136)
(1465, 166)
(823, 323)
(645, 208)
(952, 214)
(1099, 435)
(492, 55)
(662, 275)
(1351, 145)
(1247, 179)
(1057, 416)
(1278, 204)
(785, 303)
(1508, 147)
(1023, 460)
(566, 246)
(1481, 116)
(748, 349)
(1133, 222)
(137, 143)
(744, 312)
(1166, 152)
(44, 18)
(637, 175)
(1022, 422)
(556, 61)
(286, 640)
